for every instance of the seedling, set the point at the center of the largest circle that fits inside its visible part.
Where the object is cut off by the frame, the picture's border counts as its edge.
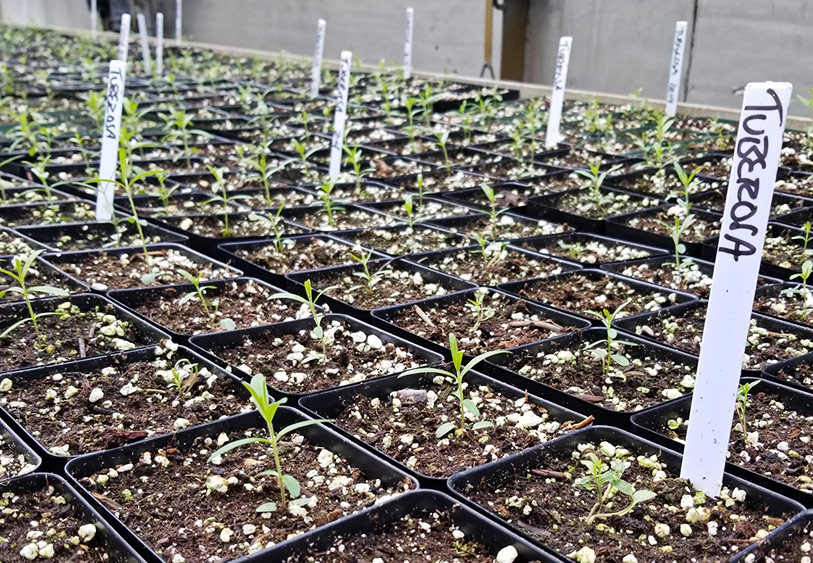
(481, 311)
(264, 172)
(596, 178)
(277, 227)
(165, 193)
(426, 99)
(267, 409)
(605, 481)
(21, 268)
(676, 233)
(363, 258)
(419, 182)
(354, 159)
(490, 252)
(491, 196)
(209, 307)
(443, 138)
(802, 290)
(459, 373)
(411, 112)
(805, 238)
(328, 206)
(741, 405)
(310, 301)
(224, 198)
(612, 350)
(686, 180)
(184, 376)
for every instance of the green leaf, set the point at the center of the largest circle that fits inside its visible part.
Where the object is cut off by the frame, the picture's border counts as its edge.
(292, 485)
(481, 357)
(482, 424)
(236, 444)
(621, 360)
(419, 371)
(267, 507)
(148, 279)
(469, 405)
(622, 486)
(49, 290)
(297, 425)
(642, 496)
(228, 324)
(444, 429)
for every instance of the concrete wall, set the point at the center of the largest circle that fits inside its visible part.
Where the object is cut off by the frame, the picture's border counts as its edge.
(64, 13)
(621, 45)
(448, 34)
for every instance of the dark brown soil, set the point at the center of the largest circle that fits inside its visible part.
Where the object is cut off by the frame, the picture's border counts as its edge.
(173, 499)
(650, 378)
(11, 245)
(788, 306)
(426, 211)
(58, 523)
(368, 192)
(399, 242)
(658, 223)
(298, 254)
(72, 334)
(688, 277)
(685, 332)
(580, 293)
(582, 203)
(343, 220)
(245, 303)
(353, 356)
(404, 429)
(91, 237)
(777, 444)
(576, 158)
(397, 167)
(587, 251)
(496, 267)
(801, 374)
(38, 275)
(389, 285)
(796, 184)
(103, 271)
(47, 214)
(545, 502)
(510, 169)
(795, 547)
(784, 251)
(425, 536)
(506, 227)
(240, 225)
(440, 181)
(15, 462)
(506, 323)
(138, 402)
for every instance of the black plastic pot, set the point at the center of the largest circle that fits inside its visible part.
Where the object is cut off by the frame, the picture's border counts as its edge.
(775, 540)
(383, 317)
(399, 232)
(10, 214)
(56, 463)
(318, 435)
(147, 334)
(501, 368)
(328, 404)
(548, 207)
(769, 323)
(418, 504)
(465, 225)
(24, 240)
(647, 424)
(447, 209)
(642, 288)
(231, 254)
(617, 227)
(131, 299)
(58, 260)
(118, 550)
(471, 180)
(502, 470)
(60, 237)
(16, 442)
(538, 244)
(787, 373)
(65, 281)
(452, 284)
(508, 195)
(213, 344)
(434, 260)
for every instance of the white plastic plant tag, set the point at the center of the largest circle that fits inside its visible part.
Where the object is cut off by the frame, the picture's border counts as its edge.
(409, 26)
(124, 38)
(337, 143)
(557, 96)
(739, 253)
(111, 131)
(178, 21)
(94, 19)
(159, 44)
(145, 43)
(675, 68)
(316, 69)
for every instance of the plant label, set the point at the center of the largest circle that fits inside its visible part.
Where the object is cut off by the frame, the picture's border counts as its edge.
(410, 22)
(94, 19)
(159, 44)
(316, 69)
(124, 37)
(557, 96)
(739, 253)
(337, 143)
(145, 43)
(675, 68)
(178, 21)
(111, 131)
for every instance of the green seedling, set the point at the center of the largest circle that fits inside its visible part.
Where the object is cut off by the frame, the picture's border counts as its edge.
(19, 272)
(224, 198)
(355, 159)
(481, 311)
(801, 290)
(310, 300)
(741, 405)
(443, 139)
(610, 350)
(409, 208)
(329, 207)
(458, 375)
(596, 179)
(209, 307)
(605, 482)
(363, 258)
(267, 409)
(184, 376)
(805, 238)
(491, 196)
